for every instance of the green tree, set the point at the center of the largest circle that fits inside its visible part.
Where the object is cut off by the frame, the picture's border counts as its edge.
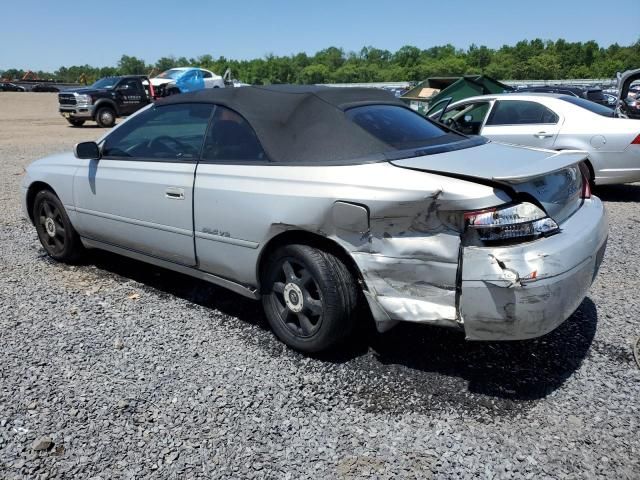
(165, 63)
(132, 66)
(315, 74)
(479, 57)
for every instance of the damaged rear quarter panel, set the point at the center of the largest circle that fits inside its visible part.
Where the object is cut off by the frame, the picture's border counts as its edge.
(411, 261)
(401, 227)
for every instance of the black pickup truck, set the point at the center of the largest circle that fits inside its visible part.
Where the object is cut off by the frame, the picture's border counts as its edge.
(105, 100)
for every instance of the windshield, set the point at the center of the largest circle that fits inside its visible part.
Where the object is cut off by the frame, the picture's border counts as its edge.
(589, 105)
(107, 82)
(172, 74)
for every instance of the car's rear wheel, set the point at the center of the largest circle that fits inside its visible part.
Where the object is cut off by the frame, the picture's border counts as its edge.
(56, 234)
(106, 117)
(309, 298)
(75, 123)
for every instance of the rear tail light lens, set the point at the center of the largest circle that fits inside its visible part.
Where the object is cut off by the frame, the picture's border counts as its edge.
(636, 141)
(511, 222)
(586, 187)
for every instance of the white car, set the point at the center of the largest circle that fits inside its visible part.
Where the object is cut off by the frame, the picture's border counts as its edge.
(554, 122)
(166, 80)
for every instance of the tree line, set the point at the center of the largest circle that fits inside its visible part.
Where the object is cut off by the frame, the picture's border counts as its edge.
(527, 59)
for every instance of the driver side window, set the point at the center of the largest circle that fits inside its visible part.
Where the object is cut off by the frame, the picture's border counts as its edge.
(166, 133)
(129, 86)
(467, 118)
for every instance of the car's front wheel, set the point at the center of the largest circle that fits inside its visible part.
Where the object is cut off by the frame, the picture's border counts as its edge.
(309, 298)
(56, 234)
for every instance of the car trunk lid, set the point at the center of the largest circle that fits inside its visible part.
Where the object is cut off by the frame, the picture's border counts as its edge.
(552, 179)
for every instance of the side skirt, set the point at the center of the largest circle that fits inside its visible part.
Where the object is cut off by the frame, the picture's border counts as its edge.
(176, 267)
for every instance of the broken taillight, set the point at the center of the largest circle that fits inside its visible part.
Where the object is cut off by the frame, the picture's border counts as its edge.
(511, 222)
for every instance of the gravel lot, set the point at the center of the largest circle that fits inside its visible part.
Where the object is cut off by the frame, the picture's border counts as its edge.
(115, 369)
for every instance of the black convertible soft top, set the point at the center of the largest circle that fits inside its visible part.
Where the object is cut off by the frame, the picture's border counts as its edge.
(302, 124)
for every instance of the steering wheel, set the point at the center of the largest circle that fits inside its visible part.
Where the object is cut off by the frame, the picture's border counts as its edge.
(168, 143)
(453, 123)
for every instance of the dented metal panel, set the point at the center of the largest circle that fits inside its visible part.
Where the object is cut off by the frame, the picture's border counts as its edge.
(525, 290)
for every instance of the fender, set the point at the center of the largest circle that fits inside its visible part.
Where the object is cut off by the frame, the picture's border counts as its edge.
(106, 102)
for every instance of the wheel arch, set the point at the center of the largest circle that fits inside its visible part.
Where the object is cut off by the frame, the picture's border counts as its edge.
(32, 191)
(592, 172)
(304, 237)
(105, 102)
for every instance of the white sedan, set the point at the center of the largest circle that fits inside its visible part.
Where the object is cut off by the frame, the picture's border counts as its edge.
(554, 122)
(167, 79)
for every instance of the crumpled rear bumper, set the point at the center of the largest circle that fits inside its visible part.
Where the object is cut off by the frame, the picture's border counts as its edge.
(527, 290)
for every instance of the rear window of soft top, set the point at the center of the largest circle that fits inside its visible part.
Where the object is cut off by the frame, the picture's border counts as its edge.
(399, 127)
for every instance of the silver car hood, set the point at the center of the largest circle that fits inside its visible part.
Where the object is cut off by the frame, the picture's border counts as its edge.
(496, 162)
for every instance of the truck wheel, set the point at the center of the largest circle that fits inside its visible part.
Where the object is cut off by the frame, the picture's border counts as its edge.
(75, 123)
(309, 298)
(56, 234)
(106, 117)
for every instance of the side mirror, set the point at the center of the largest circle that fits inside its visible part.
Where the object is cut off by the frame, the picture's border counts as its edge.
(87, 151)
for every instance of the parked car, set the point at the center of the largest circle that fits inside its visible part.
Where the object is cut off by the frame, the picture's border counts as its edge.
(312, 198)
(167, 83)
(105, 100)
(10, 87)
(43, 87)
(555, 122)
(589, 93)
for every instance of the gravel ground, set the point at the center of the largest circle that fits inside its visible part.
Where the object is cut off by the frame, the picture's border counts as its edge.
(115, 369)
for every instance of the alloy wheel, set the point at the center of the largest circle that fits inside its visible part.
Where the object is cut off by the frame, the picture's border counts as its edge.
(297, 298)
(53, 234)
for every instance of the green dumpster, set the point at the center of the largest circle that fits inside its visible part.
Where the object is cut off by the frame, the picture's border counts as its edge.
(434, 89)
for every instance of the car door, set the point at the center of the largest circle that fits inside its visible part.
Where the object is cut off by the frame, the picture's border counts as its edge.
(522, 122)
(139, 195)
(467, 118)
(208, 79)
(228, 187)
(130, 94)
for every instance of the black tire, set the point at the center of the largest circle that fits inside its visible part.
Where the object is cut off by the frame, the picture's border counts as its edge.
(173, 91)
(75, 123)
(106, 117)
(318, 313)
(56, 234)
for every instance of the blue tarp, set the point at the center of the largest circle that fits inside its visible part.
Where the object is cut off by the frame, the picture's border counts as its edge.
(190, 81)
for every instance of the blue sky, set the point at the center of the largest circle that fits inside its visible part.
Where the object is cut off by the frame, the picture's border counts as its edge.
(43, 35)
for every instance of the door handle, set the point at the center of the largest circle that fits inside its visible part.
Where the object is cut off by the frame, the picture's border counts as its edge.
(543, 135)
(174, 193)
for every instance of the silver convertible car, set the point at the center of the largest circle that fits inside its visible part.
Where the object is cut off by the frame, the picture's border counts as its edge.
(313, 199)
